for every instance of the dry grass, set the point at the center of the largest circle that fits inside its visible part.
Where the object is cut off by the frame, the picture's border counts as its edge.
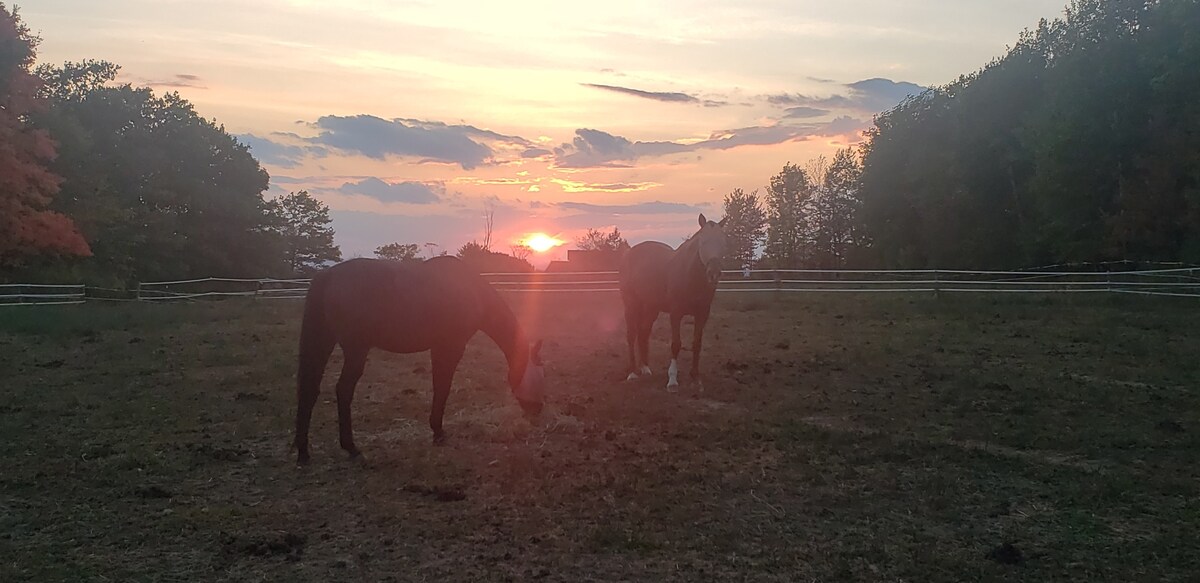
(838, 438)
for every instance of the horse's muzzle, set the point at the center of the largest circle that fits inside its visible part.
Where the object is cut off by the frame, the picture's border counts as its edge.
(531, 407)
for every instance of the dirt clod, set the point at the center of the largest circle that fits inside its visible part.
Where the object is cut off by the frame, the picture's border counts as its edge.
(1007, 554)
(149, 492)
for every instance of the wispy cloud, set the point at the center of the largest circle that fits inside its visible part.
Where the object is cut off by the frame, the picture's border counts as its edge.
(644, 208)
(173, 82)
(379, 138)
(866, 97)
(655, 95)
(804, 112)
(271, 152)
(593, 148)
(409, 192)
(576, 186)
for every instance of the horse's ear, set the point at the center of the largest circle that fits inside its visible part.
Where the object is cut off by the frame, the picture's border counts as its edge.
(703, 221)
(722, 223)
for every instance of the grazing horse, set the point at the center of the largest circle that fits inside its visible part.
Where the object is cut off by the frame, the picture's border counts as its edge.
(435, 305)
(654, 279)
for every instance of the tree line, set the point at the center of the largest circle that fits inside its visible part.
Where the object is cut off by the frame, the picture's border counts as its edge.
(111, 184)
(1081, 144)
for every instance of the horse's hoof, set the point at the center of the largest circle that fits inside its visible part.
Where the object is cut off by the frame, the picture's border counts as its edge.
(302, 459)
(633, 376)
(439, 439)
(354, 453)
(645, 370)
(672, 386)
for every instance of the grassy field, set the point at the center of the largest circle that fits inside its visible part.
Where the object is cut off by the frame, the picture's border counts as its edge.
(837, 438)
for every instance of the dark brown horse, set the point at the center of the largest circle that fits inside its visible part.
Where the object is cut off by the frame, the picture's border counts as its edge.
(682, 282)
(436, 305)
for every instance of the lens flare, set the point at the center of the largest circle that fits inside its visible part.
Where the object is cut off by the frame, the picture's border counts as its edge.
(541, 242)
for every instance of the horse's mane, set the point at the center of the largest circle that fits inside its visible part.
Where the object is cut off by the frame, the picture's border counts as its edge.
(689, 247)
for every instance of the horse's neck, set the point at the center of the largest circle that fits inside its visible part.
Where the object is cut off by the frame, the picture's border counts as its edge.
(501, 325)
(687, 258)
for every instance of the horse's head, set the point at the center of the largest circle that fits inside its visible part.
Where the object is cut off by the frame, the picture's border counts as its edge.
(710, 243)
(530, 388)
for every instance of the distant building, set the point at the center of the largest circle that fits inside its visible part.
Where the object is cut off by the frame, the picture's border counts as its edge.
(587, 260)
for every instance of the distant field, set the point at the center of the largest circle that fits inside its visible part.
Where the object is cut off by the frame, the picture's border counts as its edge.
(838, 438)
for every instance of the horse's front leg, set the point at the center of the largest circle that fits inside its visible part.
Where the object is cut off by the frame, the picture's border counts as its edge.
(697, 341)
(353, 362)
(676, 345)
(444, 361)
(632, 330)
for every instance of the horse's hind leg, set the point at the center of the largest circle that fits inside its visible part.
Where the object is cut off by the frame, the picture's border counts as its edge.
(645, 326)
(444, 361)
(308, 385)
(354, 360)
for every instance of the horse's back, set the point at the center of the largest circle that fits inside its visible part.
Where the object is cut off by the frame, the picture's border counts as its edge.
(401, 307)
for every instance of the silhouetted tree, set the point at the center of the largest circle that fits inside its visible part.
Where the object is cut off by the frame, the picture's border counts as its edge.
(597, 240)
(745, 227)
(787, 221)
(522, 252)
(160, 191)
(303, 224)
(833, 210)
(1078, 145)
(399, 252)
(486, 261)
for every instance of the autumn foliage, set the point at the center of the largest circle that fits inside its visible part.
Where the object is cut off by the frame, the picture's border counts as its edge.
(27, 227)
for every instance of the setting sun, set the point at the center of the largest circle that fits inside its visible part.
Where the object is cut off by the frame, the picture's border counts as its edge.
(541, 242)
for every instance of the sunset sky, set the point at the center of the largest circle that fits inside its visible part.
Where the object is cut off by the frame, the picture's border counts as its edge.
(412, 119)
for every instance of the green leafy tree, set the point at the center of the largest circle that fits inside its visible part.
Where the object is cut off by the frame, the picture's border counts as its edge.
(787, 221)
(303, 224)
(597, 240)
(1078, 145)
(160, 191)
(402, 252)
(745, 227)
(833, 209)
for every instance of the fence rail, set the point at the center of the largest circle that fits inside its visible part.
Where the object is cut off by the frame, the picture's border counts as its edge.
(1173, 282)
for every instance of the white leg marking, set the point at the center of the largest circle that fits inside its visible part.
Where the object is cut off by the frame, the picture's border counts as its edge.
(673, 375)
(646, 370)
(632, 376)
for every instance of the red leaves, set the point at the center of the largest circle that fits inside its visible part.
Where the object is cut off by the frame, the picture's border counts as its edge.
(27, 227)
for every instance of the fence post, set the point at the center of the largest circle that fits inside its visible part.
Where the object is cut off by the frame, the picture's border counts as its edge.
(138, 292)
(937, 284)
(778, 284)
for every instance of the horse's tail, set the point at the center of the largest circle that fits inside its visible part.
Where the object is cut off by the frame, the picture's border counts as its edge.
(316, 343)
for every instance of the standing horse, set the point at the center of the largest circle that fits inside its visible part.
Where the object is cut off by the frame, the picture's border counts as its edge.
(435, 305)
(682, 282)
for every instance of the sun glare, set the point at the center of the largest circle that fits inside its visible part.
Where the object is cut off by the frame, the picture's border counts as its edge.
(541, 242)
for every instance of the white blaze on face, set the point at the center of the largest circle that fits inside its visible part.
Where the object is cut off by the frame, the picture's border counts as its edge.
(533, 384)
